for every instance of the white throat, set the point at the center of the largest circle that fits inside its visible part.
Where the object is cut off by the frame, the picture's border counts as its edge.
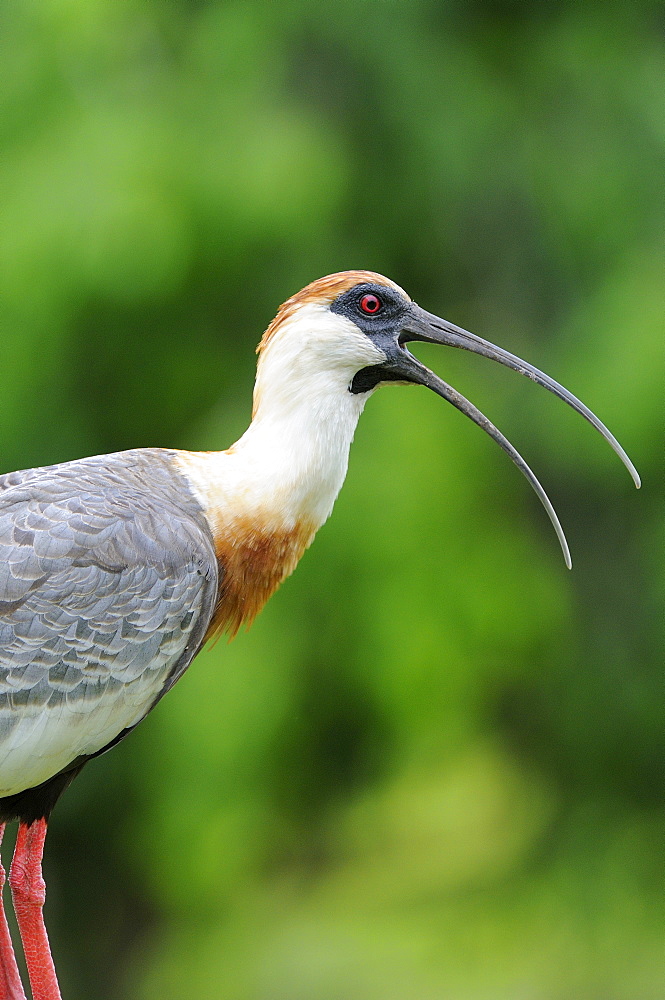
(290, 464)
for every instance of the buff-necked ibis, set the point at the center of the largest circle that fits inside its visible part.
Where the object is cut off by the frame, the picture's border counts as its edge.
(115, 570)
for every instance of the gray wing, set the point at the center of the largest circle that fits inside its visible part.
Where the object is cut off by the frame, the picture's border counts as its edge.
(108, 581)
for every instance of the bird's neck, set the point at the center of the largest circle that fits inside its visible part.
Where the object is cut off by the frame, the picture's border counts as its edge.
(267, 495)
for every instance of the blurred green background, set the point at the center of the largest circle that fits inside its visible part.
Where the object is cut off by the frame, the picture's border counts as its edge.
(433, 769)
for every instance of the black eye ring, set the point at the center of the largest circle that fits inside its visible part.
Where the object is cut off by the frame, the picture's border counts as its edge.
(371, 304)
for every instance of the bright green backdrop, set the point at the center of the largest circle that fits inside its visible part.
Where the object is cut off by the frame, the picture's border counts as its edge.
(434, 767)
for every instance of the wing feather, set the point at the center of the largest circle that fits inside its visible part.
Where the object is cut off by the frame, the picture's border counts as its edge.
(108, 581)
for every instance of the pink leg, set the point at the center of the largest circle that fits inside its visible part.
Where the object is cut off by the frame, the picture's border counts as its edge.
(29, 892)
(11, 987)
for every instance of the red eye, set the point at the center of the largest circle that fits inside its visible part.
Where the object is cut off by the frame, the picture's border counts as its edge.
(370, 304)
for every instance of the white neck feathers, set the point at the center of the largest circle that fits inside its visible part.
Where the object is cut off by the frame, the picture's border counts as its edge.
(290, 464)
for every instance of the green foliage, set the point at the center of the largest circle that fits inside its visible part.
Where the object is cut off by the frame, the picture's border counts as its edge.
(431, 769)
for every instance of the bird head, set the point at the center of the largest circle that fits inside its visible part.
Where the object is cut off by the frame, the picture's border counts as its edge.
(348, 333)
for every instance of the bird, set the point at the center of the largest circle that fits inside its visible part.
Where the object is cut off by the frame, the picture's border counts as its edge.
(116, 569)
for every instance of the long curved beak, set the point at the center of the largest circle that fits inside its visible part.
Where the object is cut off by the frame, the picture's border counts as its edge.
(420, 325)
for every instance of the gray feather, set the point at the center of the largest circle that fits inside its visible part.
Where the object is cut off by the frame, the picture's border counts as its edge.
(108, 581)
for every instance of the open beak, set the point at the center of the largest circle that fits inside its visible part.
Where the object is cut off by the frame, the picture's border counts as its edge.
(424, 326)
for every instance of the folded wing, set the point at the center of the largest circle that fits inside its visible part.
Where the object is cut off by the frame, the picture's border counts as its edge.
(108, 582)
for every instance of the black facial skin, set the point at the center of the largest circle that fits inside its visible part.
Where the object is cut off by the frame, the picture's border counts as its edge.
(382, 327)
(399, 321)
(387, 319)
